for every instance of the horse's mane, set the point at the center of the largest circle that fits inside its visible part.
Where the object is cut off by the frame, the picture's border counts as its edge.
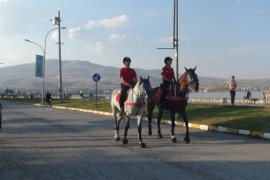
(183, 83)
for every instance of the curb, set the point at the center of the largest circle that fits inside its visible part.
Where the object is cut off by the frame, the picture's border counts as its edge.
(220, 129)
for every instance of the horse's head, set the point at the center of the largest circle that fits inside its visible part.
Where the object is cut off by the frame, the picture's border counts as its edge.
(192, 78)
(145, 86)
(189, 78)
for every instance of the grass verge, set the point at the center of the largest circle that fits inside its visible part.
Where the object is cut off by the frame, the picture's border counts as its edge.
(254, 118)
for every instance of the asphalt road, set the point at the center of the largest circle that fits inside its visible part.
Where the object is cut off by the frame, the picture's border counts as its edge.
(61, 144)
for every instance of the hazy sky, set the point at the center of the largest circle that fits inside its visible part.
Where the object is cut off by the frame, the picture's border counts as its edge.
(221, 37)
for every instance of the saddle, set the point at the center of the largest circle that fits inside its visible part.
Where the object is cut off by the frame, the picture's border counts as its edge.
(173, 103)
(169, 93)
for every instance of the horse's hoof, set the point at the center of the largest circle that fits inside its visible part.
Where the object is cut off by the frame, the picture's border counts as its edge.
(143, 145)
(118, 139)
(160, 135)
(124, 141)
(150, 133)
(174, 140)
(187, 140)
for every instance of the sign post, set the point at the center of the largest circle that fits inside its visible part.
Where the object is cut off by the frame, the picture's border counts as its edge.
(96, 78)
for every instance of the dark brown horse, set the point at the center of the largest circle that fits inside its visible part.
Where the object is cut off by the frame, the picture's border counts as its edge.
(176, 103)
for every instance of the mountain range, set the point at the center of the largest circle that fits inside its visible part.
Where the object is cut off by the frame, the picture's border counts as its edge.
(77, 74)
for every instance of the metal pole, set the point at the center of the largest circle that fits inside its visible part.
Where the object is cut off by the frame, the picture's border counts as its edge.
(96, 94)
(43, 69)
(176, 36)
(60, 66)
(43, 77)
(175, 42)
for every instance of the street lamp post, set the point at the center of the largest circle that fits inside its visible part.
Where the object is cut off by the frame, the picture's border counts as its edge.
(44, 58)
(175, 36)
(43, 73)
(57, 21)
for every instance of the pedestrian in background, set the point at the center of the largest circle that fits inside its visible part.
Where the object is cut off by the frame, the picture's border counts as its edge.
(49, 100)
(231, 86)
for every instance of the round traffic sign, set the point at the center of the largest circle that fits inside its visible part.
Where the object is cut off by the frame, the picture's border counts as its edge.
(96, 77)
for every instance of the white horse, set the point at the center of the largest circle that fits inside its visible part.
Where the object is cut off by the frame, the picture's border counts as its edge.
(134, 105)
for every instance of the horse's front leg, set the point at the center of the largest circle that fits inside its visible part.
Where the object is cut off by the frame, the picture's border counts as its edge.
(125, 140)
(174, 140)
(139, 125)
(0, 121)
(150, 108)
(184, 116)
(117, 121)
(160, 114)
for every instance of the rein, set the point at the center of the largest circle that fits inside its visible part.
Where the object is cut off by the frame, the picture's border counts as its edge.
(140, 102)
(183, 84)
(132, 89)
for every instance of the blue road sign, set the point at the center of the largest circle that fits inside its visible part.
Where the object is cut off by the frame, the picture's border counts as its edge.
(96, 77)
(39, 66)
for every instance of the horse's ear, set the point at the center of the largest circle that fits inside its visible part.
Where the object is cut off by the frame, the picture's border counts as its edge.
(148, 77)
(141, 78)
(195, 68)
(186, 69)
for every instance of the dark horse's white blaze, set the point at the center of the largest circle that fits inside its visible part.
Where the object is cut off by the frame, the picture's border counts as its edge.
(176, 104)
(134, 106)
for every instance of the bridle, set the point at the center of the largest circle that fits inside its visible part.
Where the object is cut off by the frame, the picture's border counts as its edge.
(140, 95)
(142, 90)
(189, 78)
(192, 78)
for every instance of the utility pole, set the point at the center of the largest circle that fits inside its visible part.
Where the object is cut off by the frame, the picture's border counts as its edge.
(57, 21)
(60, 61)
(175, 35)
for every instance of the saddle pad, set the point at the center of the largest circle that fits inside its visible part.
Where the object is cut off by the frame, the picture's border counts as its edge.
(117, 97)
(158, 94)
(176, 98)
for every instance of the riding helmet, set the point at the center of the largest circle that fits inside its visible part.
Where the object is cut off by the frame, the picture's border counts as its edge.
(126, 59)
(167, 59)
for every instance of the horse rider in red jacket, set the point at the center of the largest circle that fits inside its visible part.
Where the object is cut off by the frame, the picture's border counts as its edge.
(167, 77)
(128, 78)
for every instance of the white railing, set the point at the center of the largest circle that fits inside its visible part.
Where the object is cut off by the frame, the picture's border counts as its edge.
(226, 100)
